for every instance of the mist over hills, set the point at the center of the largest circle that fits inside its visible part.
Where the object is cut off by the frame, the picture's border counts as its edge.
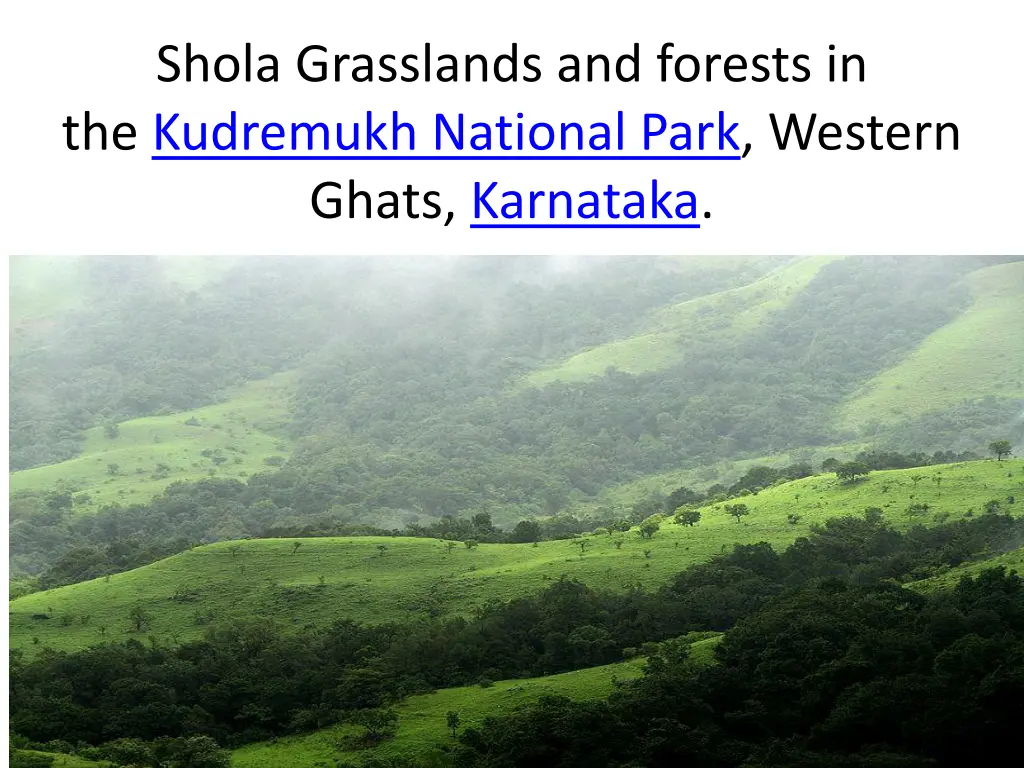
(311, 510)
(509, 386)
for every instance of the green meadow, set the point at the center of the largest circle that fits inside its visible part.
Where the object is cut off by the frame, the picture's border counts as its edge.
(299, 582)
(234, 438)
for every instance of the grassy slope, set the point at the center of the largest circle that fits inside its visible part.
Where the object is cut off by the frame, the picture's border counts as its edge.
(728, 312)
(245, 430)
(981, 352)
(422, 730)
(265, 578)
(1012, 560)
(622, 496)
(421, 719)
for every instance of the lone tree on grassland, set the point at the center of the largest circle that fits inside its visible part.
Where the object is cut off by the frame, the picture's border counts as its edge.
(139, 618)
(648, 528)
(379, 723)
(918, 509)
(1000, 448)
(452, 718)
(688, 517)
(737, 510)
(852, 470)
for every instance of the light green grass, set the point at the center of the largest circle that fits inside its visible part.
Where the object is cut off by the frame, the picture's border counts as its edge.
(422, 730)
(979, 353)
(670, 329)
(245, 431)
(415, 577)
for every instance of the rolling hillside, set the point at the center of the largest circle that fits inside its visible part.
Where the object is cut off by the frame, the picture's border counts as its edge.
(974, 355)
(670, 329)
(316, 581)
(979, 353)
(363, 397)
(234, 438)
(421, 719)
(1012, 561)
(422, 731)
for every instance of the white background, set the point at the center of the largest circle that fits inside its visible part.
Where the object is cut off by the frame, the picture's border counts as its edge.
(926, 61)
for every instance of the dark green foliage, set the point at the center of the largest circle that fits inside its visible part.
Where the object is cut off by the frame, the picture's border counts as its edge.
(852, 471)
(648, 528)
(828, 675)
(737, 510)
(452, 721)
(20, 759)
(680, 497)
(688, 517)
(1000, 448)
(379, 723)
(525, 531)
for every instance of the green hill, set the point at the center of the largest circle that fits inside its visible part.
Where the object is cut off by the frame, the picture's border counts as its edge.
(622, 496)
(422, 727)
(324, 579)
(702, 319)
(422, 730)
(416, 405)
(1012, 561)
(979, 353)
(234, 438)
